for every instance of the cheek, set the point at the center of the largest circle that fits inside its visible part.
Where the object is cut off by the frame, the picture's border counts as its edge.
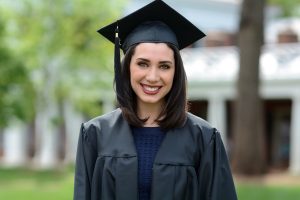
(136, 72)
(170, 78)
(135, 75)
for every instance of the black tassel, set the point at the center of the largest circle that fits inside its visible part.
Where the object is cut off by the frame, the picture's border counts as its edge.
(117, 68)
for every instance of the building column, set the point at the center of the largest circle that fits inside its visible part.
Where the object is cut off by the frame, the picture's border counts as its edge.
(47, 134)
(217, 115)
(295, 137)
(14, 152)
(73, 121)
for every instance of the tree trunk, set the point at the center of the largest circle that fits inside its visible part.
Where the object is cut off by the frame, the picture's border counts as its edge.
(62, 131)
(31, 140)
(249, 152)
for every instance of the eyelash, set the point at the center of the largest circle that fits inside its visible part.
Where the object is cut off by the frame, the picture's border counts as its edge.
(163, 66)
(142, 64)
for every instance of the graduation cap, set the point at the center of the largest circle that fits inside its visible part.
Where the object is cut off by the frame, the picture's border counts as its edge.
(156, 22)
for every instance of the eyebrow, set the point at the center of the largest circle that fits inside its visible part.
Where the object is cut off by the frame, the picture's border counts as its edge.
(161, 62)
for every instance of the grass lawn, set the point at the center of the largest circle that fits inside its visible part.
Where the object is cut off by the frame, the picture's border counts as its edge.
(17, 184)
(264, 192)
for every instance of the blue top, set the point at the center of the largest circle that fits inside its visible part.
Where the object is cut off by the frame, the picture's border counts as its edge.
(147, 142)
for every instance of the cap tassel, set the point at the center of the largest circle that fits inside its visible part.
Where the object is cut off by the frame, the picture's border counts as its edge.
(117, 68)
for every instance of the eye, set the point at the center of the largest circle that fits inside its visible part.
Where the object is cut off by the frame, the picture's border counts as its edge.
(165, 66)
(142, 64)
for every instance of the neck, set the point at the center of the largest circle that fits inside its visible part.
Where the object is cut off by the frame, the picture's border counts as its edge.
(150, 112)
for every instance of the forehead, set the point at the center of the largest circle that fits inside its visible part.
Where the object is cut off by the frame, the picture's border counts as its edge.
(153, 50)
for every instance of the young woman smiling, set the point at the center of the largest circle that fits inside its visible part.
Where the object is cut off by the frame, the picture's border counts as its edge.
(151, 147)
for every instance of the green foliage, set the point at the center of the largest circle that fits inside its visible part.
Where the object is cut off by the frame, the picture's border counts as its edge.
(15, 86)
(289, 7)
(58, 42)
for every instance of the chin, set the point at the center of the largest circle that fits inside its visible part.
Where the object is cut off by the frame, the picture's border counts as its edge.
(151, 100)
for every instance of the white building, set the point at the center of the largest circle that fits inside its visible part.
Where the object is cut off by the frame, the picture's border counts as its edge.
(212, 73)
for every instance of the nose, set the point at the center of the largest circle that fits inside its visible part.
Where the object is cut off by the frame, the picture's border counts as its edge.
(152, 75)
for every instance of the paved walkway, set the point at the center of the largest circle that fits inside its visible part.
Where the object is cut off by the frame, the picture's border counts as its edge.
(273, 178)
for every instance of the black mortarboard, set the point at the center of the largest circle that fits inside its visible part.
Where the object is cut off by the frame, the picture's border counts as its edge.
(156, 22)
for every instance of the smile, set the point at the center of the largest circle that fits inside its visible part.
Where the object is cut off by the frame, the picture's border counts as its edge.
(150, 89)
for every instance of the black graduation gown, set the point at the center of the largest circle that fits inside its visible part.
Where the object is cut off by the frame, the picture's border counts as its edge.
(191, 163)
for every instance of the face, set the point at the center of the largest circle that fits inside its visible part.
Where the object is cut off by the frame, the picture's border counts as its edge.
(152, 69)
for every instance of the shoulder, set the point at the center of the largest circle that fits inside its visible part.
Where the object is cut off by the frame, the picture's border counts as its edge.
(102, 123)
(200, 127)
(108, 119)
(197, 121)
(108, 133)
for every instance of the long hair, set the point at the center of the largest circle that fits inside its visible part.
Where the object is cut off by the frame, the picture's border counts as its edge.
(173, 113)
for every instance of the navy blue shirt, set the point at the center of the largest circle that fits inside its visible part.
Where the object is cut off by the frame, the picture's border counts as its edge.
(147, 142)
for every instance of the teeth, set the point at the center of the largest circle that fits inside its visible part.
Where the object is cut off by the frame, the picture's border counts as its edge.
(151, 89)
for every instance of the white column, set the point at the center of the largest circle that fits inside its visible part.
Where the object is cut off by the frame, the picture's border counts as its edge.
(295, 137)
(46, 156)
(217, 115)
(73, 123)
(15, 145)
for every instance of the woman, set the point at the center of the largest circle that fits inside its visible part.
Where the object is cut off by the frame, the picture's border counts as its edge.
(151, 147)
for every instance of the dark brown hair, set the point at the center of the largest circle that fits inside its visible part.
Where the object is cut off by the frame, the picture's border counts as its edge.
(173, 113)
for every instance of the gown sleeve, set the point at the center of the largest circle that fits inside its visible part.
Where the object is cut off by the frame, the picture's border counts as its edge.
(85, 161)
(215, 178)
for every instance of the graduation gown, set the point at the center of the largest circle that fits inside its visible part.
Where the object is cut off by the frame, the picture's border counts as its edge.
(191, 163)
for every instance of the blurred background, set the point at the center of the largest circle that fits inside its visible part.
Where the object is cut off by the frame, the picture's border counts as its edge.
(57, 72)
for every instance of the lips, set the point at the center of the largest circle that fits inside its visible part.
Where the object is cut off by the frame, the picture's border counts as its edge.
(151, 90)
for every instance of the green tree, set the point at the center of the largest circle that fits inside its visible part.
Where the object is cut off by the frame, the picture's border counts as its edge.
(68, 60)
(15, 86)
(289, 7)
(60, 44)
